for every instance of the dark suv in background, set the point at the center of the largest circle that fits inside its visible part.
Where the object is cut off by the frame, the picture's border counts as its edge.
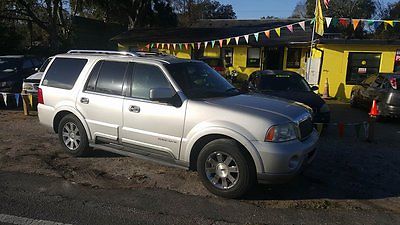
(384, 88)
(14, 68)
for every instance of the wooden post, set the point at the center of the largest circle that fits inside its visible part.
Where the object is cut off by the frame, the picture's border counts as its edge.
(25, 103)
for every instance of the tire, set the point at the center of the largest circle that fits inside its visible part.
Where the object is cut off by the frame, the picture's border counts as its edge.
(213, 168)
(72, 136)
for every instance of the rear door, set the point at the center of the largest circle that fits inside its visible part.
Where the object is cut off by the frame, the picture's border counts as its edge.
(101, 100)
(151, 125)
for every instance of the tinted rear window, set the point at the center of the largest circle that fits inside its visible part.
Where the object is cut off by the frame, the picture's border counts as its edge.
(280, 82)
(63, 72)
(111, 77)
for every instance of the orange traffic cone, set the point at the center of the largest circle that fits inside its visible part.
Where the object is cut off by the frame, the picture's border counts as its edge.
(374, 109)
(325, 95)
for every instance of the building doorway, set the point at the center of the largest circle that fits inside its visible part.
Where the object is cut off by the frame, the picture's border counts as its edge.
(273, 58)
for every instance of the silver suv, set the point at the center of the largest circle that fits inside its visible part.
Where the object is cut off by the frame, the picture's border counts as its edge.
(179, 112)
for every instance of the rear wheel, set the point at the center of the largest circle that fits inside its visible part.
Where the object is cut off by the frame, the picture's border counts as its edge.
(224, 169)
(73, 136)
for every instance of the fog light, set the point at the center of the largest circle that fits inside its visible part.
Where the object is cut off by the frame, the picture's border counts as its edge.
(294, 162)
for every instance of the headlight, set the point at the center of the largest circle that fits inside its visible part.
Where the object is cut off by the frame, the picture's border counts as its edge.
(282, 133)
(324, 108)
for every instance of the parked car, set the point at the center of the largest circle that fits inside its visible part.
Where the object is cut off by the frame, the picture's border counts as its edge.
(14, 68)
(292, 86)
(179, 112)
(217, 64)
(384, 88)
(31, 83)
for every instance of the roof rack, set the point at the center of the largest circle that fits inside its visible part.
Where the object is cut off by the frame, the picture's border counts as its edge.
(103, 52)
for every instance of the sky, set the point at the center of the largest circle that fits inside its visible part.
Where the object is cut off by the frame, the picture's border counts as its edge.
(255, 9)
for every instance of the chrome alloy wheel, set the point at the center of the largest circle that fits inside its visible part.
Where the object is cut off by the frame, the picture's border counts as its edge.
(71, 136)
(222, 170)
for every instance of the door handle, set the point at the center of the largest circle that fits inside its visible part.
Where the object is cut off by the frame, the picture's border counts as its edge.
(84, 100)
(134, 108)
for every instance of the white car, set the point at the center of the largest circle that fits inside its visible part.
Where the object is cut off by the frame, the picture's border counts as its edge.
(31, 83)
(175, 111)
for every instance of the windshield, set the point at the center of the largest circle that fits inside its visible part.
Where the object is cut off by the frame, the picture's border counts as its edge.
(9, 64)
(198, 80)
(281, 82)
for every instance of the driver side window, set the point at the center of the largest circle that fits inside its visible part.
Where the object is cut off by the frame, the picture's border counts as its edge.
(146, 77)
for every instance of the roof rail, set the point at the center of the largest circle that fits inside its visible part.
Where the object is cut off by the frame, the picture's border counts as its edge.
(103, 52)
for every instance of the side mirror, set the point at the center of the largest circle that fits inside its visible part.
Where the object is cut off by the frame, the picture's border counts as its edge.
(161, 94)
(314, 88)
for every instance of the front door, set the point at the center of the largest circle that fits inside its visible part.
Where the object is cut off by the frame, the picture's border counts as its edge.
(101, 102)
(148, 124)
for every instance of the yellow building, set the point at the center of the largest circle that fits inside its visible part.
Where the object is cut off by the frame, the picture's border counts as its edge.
(342, 62)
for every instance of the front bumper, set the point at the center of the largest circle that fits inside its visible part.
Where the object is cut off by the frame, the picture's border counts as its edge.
(283, 161)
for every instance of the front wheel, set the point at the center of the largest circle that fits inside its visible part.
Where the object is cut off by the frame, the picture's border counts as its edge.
(224, 169)
(73, 136)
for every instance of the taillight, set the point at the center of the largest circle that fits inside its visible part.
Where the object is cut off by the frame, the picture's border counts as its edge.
(40, 96)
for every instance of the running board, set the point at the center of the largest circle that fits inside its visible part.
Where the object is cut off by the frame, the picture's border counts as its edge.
(149, 157)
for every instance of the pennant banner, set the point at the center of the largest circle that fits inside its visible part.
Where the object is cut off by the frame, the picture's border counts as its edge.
(5, 98)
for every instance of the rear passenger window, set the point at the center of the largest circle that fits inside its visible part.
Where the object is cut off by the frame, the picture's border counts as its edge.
(91, 83)
(63, 72)
(110, 78)
(146, 77)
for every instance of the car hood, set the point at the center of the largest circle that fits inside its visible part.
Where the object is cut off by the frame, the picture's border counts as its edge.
(262, 105)
(308, 98)
(35, 76)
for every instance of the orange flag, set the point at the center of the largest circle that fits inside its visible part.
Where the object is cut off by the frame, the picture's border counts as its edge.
(267, 33)
(355, 23)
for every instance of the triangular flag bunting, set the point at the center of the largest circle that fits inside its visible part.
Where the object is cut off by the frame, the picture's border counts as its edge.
(278, 31)
(162, 45)
(193, 45)
(17, 95)
(334, 22)
(186, 46)
(168, 46)
(180, 46)
(205, 44)
(256, 36)
(237, 40)
(228, 40)
(198, 45)
(152, 45)
(220, 43)
(303, 25)
(212, 44)
(390, 22)
(4, 98)
(148, 46)
(174, 45)
(344, 22)
(355, 23)
(377, 24)
(246, 37)
(290, 27)
(267, 33)
(157, 45)
(328, 21)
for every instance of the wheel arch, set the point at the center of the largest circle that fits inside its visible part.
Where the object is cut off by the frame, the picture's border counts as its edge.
(62, 112)
(248, 149)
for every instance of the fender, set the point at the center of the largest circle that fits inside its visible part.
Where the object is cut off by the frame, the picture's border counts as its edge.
(77, 114)
(196, 133)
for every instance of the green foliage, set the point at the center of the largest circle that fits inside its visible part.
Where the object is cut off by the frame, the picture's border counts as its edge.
(362, 9)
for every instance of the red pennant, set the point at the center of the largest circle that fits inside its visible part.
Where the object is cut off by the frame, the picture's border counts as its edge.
(186, 46)
(157, 44)
(341, 129)
(148, 46)
(220, 43)
(344, 22)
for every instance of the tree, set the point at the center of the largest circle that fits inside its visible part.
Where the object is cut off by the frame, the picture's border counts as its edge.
(300, 11)
(191, 10)
(134, 13)
(362, 9)
(49, 15)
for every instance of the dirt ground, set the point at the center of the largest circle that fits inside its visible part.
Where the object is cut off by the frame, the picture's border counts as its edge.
(348, 173)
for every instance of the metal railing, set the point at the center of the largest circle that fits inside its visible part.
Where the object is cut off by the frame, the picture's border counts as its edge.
(104, 52)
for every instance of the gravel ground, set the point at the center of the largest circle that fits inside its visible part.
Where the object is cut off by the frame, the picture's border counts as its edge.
(347, 174)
